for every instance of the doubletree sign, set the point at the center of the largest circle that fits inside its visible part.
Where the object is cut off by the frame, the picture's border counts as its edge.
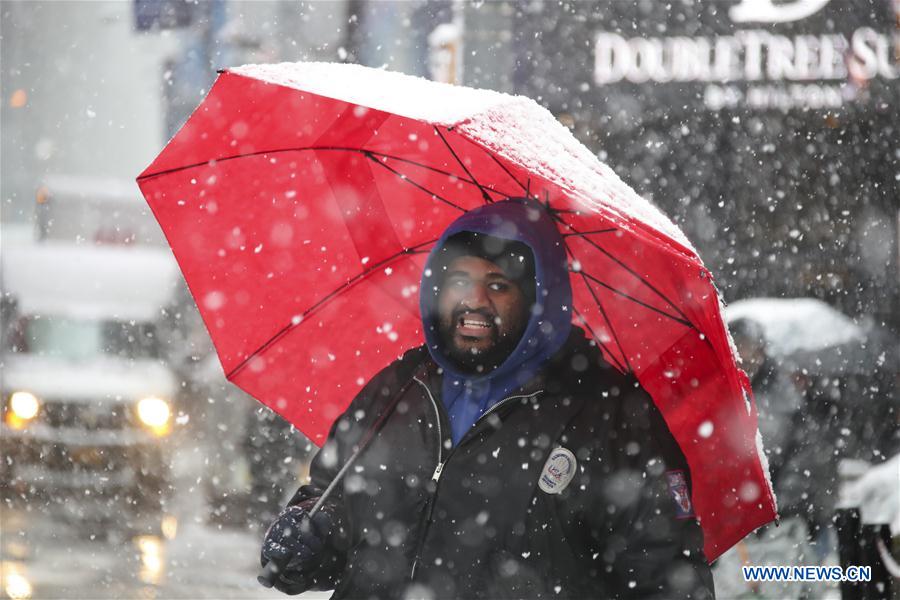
(763, 54)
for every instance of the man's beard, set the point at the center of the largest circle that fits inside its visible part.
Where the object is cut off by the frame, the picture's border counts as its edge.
(470, 360)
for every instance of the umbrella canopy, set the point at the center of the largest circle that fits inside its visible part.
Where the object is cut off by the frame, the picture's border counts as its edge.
(300, 201)
(807, 333)
(797, 324)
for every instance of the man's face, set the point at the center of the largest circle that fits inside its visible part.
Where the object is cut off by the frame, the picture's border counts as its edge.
(481, 314)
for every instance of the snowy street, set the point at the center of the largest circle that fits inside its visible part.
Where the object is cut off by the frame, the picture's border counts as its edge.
(84, 549)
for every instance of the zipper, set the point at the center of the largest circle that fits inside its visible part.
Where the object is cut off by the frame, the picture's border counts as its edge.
(429, 511)
(436, 476)
(504, 401)
(437, 420)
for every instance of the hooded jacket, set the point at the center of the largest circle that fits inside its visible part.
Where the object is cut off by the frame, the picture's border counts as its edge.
(568, 485)
(466, 396)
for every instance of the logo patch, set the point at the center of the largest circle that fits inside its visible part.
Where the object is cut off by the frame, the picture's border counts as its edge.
(558, 471)
(679, 490)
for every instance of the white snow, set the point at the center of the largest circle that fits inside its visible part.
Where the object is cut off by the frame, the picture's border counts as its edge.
(89, 282)
(527, 134)
(764, 462)
(413, 97)
(877, 494)
(792, 324)
(515, 127)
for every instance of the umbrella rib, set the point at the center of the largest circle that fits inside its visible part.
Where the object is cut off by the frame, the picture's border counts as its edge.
(605, 317)
(417, 249)
(500, 164)
(403, 177)
(325, 148)
(484, 194)
(280, 151)
(584, 233)
(421, 187)
(608, 322)
(439, 171)
(246, 155)
(597, 339)
(418, 164)
(636, 301)
(434, 170)
(629, 270)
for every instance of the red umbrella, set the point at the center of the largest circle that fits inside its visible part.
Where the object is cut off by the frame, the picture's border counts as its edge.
(300, 201)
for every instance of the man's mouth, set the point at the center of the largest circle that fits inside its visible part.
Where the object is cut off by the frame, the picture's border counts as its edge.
(473, 325)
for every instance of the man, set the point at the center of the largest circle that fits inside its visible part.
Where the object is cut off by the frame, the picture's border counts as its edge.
(802, 477)
(513, 461)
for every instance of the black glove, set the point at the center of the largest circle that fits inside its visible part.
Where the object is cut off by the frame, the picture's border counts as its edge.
(295, 543)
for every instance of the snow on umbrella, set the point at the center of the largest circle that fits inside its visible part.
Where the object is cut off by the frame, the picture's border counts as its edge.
(301, 200)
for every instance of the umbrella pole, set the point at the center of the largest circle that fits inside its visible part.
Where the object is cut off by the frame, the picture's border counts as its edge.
(269, 574)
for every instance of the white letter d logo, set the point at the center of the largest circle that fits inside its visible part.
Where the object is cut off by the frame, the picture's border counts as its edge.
(765, 11)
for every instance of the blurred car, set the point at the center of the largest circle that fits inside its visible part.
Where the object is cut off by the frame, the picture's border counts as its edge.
(87, 406)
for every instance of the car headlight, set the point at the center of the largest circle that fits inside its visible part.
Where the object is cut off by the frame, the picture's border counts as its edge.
(23, 407)
(154, 413)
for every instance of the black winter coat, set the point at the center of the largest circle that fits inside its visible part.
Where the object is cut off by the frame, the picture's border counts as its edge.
(420, 518)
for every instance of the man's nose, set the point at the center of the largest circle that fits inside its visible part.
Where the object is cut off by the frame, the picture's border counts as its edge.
(476, 296)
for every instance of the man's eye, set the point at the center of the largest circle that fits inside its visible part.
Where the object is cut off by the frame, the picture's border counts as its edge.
(458, 282)
(498, 286)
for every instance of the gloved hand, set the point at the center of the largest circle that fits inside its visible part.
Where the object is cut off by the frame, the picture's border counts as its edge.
(295, 543)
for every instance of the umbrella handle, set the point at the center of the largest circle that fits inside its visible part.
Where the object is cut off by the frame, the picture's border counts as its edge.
(269, 573)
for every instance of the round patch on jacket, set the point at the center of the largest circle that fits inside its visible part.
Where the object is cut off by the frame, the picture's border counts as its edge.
(558, 471)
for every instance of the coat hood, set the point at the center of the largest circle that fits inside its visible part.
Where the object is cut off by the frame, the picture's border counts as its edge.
(524, 221)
